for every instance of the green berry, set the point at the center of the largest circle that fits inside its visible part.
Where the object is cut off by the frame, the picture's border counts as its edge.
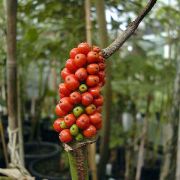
(79, 137)
(74, 130)
(77, 111)
(63, 125)
(83, 88)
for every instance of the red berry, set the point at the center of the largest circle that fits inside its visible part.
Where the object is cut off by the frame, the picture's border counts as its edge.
(101, 66)
(65, 136)
(65, 104)
(80, 60)
(71, 82)
(75, 97)
(101, 75)
(69, 120)
(95, 118)
(93, 68)
(92, 80)
(98, 101)
(61, 95)
(101, 59)
(96, 49)
(63, 89)
(102, 82)
(95, 91)
(59, 111)
(84, 48)
(92, 57)
(56, 124)
(64, 73)
(87, 98)
(83, 121)
(98, 126)
(73, 52)
(90, 131)
(81, 74)
(99, 109)
(70, 65)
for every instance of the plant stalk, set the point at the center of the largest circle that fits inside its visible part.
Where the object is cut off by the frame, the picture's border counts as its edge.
(78, 161)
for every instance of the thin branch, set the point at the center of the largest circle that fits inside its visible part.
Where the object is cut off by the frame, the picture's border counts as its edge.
(125, 35)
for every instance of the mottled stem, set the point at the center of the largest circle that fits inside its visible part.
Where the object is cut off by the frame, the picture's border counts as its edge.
(79, 163)
(125, 35)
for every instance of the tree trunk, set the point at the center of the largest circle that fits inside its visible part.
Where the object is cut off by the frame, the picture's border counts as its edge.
(170, 169)
(103, 37)
(20, 122)
(128, 163)
(166, 163)
(178, 151)
(129, 159)
(54, 78)
(174, 119)
(88, 21)
(92, 147)
(11, 11)
(140, 161)
(130, 152)
(11, 63)
(37, 104)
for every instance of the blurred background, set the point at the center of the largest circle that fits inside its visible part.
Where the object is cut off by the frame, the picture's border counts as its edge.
(142, 131)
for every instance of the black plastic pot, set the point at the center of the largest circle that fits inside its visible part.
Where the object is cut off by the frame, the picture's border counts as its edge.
(48, 168)
(4, 119)
(121, 158)
(2, 161)
(150, 173)
(47, 132)
(49, 135)
(40, 150)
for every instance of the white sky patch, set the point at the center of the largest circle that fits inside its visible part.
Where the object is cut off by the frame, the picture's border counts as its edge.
(130, 48)
(123, 26)
(169, 2)
(111, 13)
(166, 51)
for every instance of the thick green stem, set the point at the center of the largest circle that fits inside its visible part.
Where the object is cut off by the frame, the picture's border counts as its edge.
(78, 163)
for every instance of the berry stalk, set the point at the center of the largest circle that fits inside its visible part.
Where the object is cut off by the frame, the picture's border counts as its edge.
(78, 163)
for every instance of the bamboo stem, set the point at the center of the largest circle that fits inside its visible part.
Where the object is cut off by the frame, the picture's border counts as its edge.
(103, 41)
(178, 152)
(88, 21)
(20, 122)
(11, 12)
(140, 161)
(91, 147)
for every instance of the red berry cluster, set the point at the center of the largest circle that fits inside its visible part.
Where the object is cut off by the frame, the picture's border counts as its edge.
(81, 101)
